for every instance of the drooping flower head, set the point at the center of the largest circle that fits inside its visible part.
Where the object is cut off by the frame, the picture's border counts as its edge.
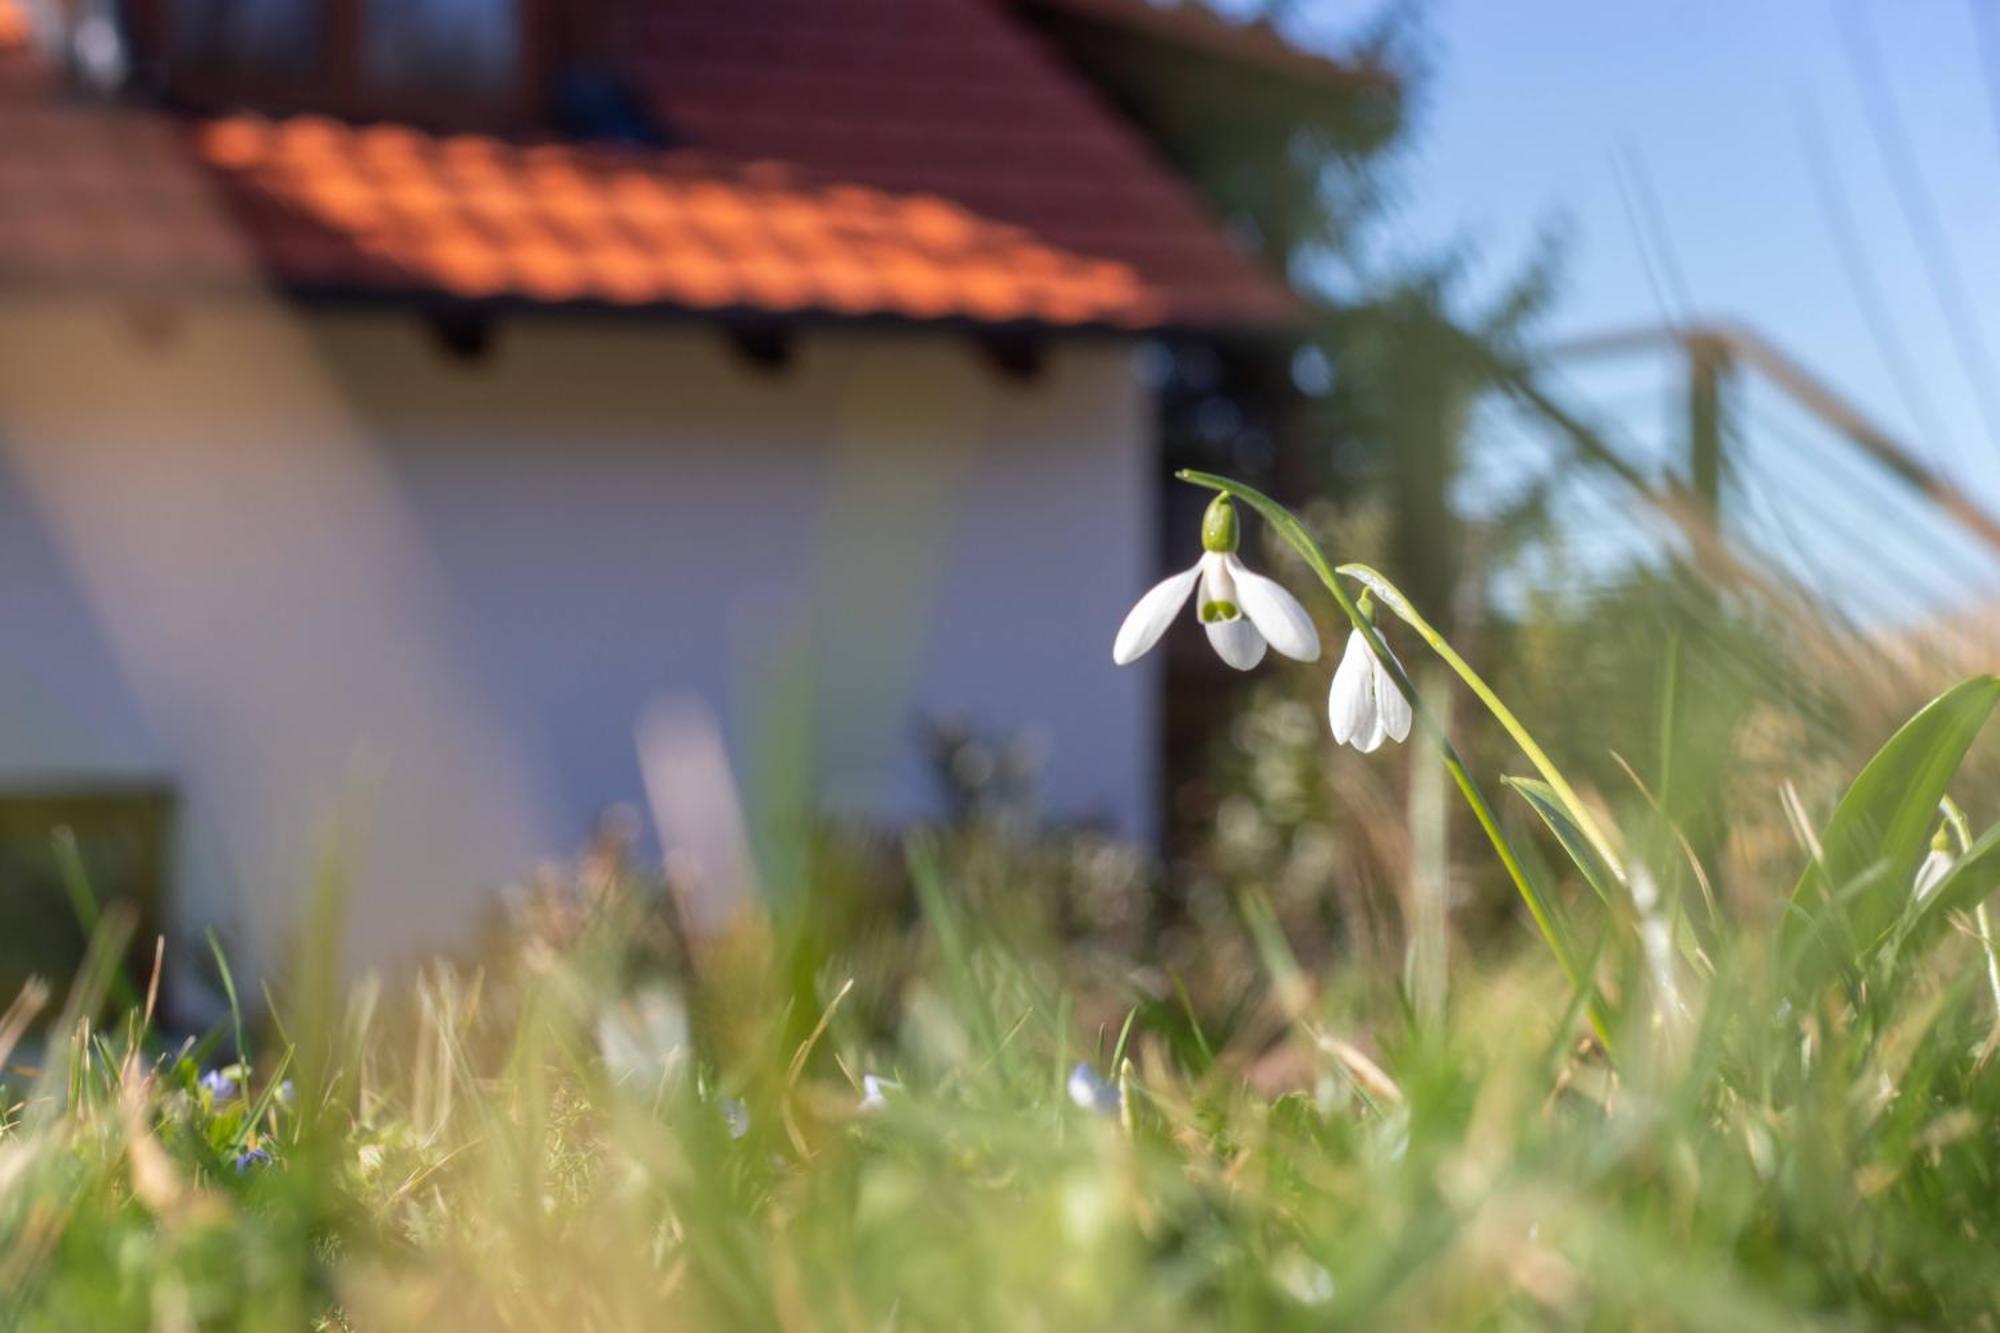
(1364, 706)
(1937, 864)
(1242, 611)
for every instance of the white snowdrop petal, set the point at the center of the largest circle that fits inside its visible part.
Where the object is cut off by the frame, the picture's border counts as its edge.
(1936, 865)
(1350, 705)
(1393, 708)
(1149, 618)
(1276, 614)
(1216, 584)
(1370, 741)
(1236, 642)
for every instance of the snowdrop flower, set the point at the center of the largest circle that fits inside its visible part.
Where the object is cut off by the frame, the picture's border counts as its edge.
(1364, 705)
(1241, 611)
(644, 1038)
(1088, 1089)
(1936, 865)
(874, 1090)
(1303, 1280)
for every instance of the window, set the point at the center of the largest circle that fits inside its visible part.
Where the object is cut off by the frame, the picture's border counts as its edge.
(267, 36)
(121, 832)
(470, 45)
(435, 60)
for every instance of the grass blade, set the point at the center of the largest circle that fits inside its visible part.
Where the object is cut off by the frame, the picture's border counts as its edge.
(1880, 828)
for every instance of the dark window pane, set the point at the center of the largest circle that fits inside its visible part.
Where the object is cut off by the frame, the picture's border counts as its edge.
(122, 834)
(249, 36)
(465, 45)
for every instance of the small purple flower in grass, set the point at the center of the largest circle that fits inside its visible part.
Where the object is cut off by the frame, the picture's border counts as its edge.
(1088, 1089)
(251, 1157)
(285, 1092)
(737, 1116)
(219, 1085)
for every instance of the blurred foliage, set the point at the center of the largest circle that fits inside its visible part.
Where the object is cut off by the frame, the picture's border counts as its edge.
(1695, 708)
(835, 1116)
(1698, 699)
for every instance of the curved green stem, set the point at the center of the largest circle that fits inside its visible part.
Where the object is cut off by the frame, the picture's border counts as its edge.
(1539, 907)
(1960, 829)
(1392, 597)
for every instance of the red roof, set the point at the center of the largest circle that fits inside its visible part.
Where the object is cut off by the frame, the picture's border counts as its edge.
(920, 159)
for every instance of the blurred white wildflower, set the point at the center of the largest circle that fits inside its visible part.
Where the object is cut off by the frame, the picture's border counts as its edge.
(645, 1037)
(737, 1116)
(1090, 1090)
(1241, 610)
(1364, 705)
(873, 1092)
(1656, 941)
(1301, 1278)
(1937, 864)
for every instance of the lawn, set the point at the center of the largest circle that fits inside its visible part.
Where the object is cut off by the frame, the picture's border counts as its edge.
(1638, 1105)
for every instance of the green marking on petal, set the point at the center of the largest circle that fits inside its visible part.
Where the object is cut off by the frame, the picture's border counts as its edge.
(1213, 612)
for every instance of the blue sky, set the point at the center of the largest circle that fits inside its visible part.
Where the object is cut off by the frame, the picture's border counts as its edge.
(1538, 107)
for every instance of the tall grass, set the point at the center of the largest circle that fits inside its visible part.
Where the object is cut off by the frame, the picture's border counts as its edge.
(1700, 1111)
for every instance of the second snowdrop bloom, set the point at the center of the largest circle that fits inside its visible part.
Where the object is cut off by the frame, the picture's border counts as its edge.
(1364, 705)
(1241, 610)
(1937, 864)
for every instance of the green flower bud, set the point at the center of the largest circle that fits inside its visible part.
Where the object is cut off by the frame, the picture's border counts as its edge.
(1218, 527)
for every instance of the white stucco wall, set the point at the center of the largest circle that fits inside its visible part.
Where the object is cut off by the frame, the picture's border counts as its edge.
(343, 589)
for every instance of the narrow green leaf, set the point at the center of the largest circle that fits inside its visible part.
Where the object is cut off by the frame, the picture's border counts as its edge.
(229, 989)
(1879, 830)
(1550, 806)
(948, 929)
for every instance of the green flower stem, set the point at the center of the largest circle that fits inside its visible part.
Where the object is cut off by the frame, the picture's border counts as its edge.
(1538, 905)
(1394, 599)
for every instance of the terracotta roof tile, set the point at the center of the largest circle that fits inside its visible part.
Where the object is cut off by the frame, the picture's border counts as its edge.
(923, 159)
(13, 26)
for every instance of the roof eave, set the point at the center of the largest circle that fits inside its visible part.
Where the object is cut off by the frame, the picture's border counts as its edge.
(1286, 315)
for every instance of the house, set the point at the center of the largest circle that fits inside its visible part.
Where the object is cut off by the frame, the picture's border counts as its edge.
(399, 401)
